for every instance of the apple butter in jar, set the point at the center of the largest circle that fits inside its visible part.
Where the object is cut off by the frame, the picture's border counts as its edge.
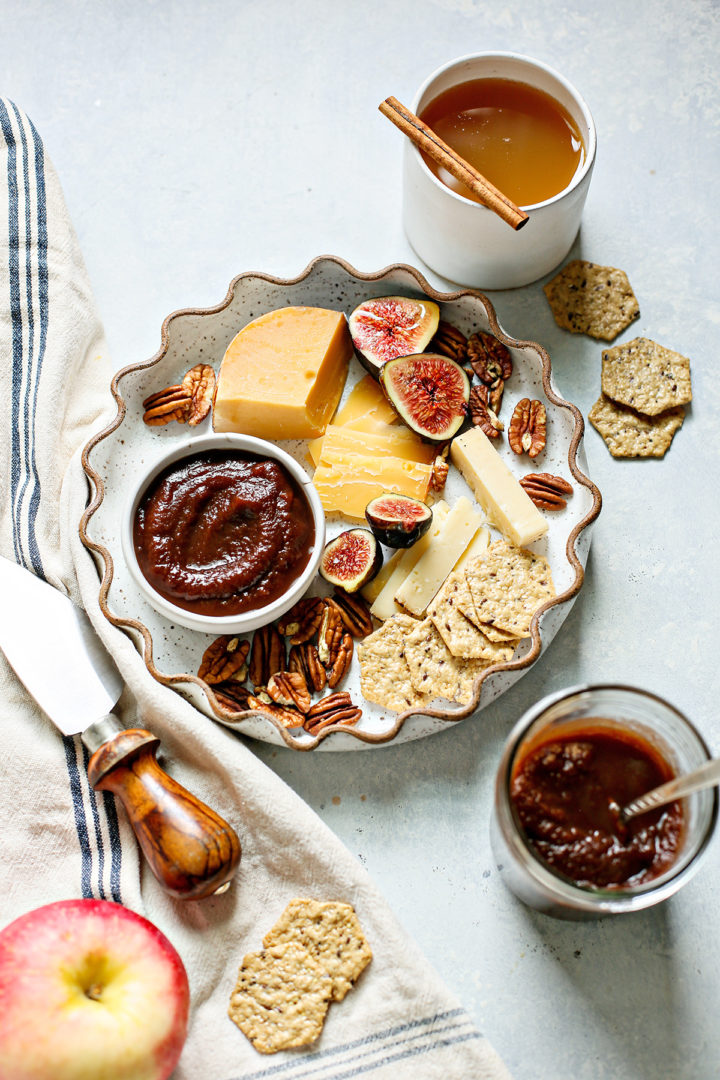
(567, 793)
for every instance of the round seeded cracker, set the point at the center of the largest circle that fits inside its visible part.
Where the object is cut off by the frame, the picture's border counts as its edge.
(646, 376)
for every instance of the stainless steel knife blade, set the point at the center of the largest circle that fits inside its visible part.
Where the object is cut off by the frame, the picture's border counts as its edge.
(55, 651)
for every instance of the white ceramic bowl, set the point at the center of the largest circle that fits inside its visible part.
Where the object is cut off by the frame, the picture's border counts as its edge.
(245, 621)
(464, 241)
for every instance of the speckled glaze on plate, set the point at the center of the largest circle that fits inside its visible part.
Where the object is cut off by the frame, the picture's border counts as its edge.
(171, 653)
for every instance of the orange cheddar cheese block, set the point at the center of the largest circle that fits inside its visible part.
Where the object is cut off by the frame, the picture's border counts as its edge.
(398, 442)
(366, 402)
(346, 482)
(283, 375)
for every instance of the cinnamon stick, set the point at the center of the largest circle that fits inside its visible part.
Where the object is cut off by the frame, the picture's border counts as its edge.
(425, 138)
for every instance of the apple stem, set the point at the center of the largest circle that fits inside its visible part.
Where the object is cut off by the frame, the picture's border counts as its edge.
(94, 992)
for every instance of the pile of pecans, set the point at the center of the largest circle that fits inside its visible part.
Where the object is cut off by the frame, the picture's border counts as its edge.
(320, 633)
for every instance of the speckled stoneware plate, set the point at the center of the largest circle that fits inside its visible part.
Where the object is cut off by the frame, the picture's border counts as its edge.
(114, 455)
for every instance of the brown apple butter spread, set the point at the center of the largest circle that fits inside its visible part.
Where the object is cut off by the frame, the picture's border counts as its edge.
(567, 793)
(223, 532)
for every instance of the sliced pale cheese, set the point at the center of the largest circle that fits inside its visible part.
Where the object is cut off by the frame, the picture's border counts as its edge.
(347, 482)
(283, 375)
(398, 442)
(366, 401)
(429, 572)
(477, 546)
(372, 590)
(507, 506)
(384, 604)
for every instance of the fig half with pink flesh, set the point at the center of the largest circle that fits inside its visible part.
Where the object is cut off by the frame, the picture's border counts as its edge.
(351, 560)
(429, 392)
(390, 326)
(398, 521)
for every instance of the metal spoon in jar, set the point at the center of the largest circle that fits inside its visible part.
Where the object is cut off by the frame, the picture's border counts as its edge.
(677, 788)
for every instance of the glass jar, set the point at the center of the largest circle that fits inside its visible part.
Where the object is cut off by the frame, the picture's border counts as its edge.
(618, 708)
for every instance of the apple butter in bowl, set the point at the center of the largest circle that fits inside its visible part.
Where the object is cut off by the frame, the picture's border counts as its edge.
(224, 534)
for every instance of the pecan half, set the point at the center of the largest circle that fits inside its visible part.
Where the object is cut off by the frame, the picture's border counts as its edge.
(482, 415)
(172, 403)
(187, 402)
(303, 619)
(267, 655)
(528, 427)
(200, 383)
(232, 697)
(305, 660)
(224, 659)
(330, 635)
(440, 470)
(546, 490)
(289, 718)
(341, 665)
(354, 612)
(490, 359)
(449, 341)
(289, 688)
(336, 708)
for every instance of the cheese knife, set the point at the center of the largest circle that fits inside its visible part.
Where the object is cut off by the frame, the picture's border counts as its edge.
(191, 850)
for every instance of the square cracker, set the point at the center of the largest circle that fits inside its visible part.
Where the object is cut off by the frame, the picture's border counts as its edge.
(646, 376)
(589, 299)
(508, 585)
(459, 633)
(281, 997)
(628, 434)
(384, 672)
(331, 933)
(433, 668)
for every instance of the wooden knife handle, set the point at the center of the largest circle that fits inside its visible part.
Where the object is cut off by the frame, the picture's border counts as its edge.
(192, 851)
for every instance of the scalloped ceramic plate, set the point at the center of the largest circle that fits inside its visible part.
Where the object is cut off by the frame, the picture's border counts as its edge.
(172, 654)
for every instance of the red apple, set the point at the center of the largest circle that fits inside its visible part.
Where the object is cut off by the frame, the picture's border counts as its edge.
(89, 991)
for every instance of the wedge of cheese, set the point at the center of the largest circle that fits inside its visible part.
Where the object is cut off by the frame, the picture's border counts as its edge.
(384, 605)
(507, 506)
(283, 375)
(366, 402)
(430, 571)
(346, 482)
(397, 442)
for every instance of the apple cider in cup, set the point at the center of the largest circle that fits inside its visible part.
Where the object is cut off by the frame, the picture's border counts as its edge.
(520, 138)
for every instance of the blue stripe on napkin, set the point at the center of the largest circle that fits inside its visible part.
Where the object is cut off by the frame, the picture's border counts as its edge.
(28, 277)
(363, 1056)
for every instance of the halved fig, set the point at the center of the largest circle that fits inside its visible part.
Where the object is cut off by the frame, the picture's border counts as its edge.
(390, 326)
(351, 560)
(429, 392)
(398, 520)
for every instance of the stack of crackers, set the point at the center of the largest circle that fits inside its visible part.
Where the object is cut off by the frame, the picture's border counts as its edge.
(644, 385)
(644, 390)
(312, 956)
(476, 620)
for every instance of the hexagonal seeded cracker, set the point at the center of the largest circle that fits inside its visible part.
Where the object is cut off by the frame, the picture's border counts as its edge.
(589, 299)
(459, 633)
(384, 673)
(433, 668)
(331, 933)
(508, 585)
(646, 376)
(628, 434)
(281, 997)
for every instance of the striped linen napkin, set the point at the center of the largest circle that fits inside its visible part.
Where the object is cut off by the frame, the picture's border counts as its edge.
(61, 840)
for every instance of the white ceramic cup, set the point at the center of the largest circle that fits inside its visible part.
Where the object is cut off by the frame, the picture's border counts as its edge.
(467, 243)
(244, 621)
